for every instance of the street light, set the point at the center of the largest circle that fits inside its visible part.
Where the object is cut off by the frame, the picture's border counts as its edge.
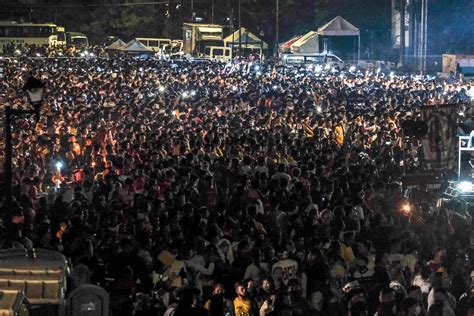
(35, 91)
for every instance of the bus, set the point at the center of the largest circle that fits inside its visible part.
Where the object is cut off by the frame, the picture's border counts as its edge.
(21, 34)
(155, 44)
(77, 39)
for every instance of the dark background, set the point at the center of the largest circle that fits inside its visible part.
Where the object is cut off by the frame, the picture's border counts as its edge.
(450, 22)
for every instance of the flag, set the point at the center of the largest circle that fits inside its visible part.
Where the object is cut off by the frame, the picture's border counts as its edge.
(439, 143)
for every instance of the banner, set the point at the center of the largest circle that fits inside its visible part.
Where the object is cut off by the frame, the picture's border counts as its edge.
(284, 270)
(439, 144)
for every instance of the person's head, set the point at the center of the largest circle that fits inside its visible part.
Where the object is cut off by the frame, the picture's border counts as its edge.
(218, 289)
(414, 291)
(267, 285)
(387, 296)
(240, 289)
(411, 307)
(439, 255)
(294, 288)
(440, 295)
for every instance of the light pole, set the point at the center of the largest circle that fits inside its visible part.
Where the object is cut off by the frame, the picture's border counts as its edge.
(277, 26)
(35, 90)
(240, 31)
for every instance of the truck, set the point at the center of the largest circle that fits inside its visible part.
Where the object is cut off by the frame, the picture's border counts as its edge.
(77, 39)
(205, 41)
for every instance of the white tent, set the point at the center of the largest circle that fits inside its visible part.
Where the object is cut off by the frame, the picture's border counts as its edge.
(117, 45)
(247, 39)
(307, 44)
(340, 27)
(135, 46)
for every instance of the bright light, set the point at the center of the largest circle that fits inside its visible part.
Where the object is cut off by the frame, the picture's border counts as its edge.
(378, 71)
(461, 113)
(257, 67)
(392, 74)
(259, 73)
(161, 89)
(234, 88)
(38, 55)
(275, 87)
(59, 165)
(318, 68)
(193, 93)
(465, 186)
(17, 52)
(185, 94)
(319, 109)
(352, 68)
(406, 208)
(82, 54)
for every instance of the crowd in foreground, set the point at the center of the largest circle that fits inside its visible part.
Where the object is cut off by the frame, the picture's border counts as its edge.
(210, 189)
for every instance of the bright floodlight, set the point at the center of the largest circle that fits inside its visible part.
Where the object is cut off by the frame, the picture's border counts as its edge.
(465, 186)
(193, 93)
(319, 109)
(185, 94)
(161, 89)
(59, 165)
(352, 68)
(234, 88)
(275, 87)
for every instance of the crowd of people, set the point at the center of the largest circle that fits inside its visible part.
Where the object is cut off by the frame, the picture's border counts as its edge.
(58, 51)
(250, 189)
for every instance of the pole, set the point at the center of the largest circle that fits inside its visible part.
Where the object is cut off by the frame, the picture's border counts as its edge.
(402, 31)
(168, 12)
(422, 38)
(425, 37)
(240, 31)
(212, 12)
(277, 25)
(8, 166)
(192, 11)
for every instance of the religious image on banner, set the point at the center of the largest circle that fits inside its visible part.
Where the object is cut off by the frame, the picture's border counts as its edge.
(439, 143)
(283, 271)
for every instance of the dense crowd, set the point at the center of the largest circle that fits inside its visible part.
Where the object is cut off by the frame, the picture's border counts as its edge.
(58, 51)
(218, 189)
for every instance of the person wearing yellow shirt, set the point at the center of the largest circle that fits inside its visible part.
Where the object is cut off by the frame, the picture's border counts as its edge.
(346, 248)
(243, 306)
(339, 133)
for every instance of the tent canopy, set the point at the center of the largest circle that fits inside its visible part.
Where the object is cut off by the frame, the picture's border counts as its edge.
(286, 46)
(135, 46)
(306, 44)
(118, 44)
(338, 27)
(249, 40)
